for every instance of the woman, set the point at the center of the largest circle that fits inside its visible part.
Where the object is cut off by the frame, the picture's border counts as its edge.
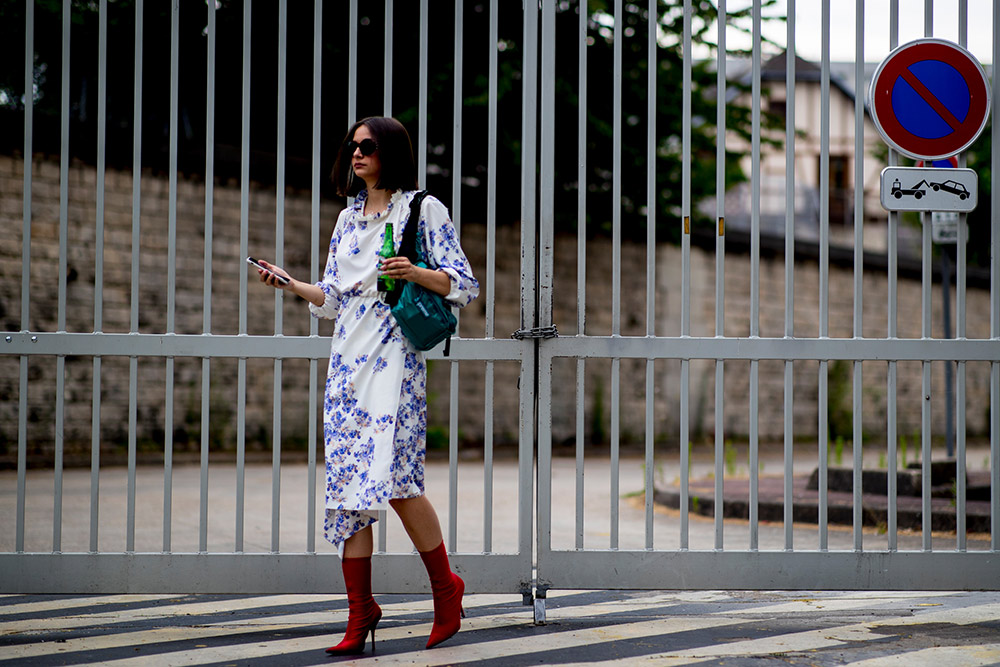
(375, 412)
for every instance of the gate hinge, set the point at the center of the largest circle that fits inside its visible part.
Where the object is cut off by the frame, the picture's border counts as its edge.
(536, 332)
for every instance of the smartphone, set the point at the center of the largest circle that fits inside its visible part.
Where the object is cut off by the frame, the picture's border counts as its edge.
(254, 262)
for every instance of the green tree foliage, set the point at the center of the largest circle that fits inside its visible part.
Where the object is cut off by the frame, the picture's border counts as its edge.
(119, 82)
(669, 119)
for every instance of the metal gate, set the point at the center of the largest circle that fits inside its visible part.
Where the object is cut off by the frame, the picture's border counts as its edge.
(576, 564)
(535, 349)
(245, 567)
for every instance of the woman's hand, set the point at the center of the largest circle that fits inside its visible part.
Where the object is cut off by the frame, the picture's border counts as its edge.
(401, 267)
(269, 277)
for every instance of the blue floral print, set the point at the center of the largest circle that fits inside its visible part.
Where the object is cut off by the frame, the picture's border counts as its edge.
(375, 405)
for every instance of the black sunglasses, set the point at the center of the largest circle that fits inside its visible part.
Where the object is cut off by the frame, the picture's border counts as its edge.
(367, 146)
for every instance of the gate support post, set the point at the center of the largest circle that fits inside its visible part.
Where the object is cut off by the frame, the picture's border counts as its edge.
(539, 606)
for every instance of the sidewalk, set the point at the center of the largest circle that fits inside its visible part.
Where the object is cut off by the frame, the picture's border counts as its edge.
(662, 628)
(624, 627)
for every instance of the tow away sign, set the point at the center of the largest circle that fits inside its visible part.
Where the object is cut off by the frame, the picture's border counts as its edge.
(929, 189)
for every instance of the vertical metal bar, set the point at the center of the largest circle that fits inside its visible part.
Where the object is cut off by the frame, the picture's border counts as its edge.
(29, 113)
(279, 257)
(102, 86)
(134, 361)
(616, 178)
(859, 270)
(452, 459)
(926, 284)
(133, 390)
(352, 66)
(133, 365)
(168, 413)
(456, 216)
(616, 267)
(61, 316)
(387, 76)
(491, 220)
(422, 107)
(755, 267)
(616, 365)
(651, 71)
(22, 396)
(720, 265)
(581, 261)
(685, 438)
(824, 270)
(491, 154)
(891, 378)
(526, 414)
(241, 374)
(544, 406)
(995, 308)
(789, 383)
(456, 114)
(317, 92)
(960, 329)
(206, 363)
(387, 111)
(546, 228)
(22, 449)
(95, 445)
(547, 163)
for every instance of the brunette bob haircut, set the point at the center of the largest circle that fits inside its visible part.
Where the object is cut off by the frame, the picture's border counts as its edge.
(394, 151)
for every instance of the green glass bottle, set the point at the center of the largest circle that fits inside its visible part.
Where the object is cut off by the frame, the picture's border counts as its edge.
(387, 284)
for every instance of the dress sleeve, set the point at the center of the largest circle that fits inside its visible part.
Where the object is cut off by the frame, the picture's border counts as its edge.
(331, 305)
(442, 247)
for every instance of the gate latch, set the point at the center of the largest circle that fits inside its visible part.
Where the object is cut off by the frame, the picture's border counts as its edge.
(536, 332)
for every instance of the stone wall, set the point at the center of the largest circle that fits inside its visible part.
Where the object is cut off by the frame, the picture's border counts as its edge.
(228, 266)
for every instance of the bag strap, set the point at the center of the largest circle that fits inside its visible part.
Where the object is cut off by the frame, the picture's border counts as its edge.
(408, 246)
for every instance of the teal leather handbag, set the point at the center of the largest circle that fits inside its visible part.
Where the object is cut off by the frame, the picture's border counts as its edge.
(423, 316)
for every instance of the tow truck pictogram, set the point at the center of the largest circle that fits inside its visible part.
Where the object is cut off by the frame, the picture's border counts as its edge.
(918, 190)
(898, 191)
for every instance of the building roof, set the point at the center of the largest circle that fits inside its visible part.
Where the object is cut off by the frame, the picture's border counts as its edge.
(805, 71)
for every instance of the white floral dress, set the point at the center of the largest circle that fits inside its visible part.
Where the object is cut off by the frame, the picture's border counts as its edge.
(375, 409)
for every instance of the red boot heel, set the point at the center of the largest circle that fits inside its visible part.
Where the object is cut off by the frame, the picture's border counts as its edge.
(355, 638)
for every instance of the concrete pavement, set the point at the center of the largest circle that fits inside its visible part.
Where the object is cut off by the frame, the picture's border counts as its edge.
(656, 627)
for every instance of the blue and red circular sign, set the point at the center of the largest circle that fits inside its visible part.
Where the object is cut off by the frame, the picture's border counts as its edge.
(930, 99)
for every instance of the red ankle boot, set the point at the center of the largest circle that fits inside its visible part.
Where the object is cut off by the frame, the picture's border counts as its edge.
(448, 589)
(363, 613)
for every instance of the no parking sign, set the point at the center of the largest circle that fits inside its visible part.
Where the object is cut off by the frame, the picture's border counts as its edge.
(930, 99)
